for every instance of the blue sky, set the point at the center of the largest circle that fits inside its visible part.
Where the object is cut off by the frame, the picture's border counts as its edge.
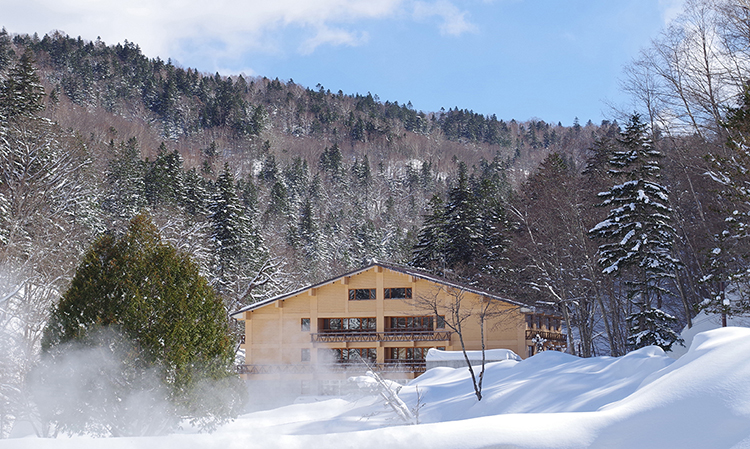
(548, 59)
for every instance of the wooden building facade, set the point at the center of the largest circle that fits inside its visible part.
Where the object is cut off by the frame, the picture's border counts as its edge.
(381, 317)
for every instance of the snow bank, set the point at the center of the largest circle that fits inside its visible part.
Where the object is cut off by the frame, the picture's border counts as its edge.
(552, 400)
(495, 355)
(704, 322)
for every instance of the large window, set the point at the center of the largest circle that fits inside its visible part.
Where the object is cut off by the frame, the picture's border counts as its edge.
(348, 324)
(397, 293)
(359, 294)
(407, 354)
(353, 355)
(411, 323)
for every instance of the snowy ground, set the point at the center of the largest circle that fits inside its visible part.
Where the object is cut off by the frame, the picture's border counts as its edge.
(552, 400)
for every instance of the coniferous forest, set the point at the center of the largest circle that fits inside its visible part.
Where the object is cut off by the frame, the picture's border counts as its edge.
(626, 228)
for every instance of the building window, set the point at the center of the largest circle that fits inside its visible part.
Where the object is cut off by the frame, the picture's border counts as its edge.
(529, 321)
(412, 323)
(354, 355)
(406, 354)
(397, 293)
(305, 355)
(530, 350)
(305, 324)
(359, 294)
(440, 322)
(348, 324)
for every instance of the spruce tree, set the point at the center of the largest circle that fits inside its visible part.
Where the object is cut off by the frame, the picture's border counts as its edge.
(727, 263)
(466, 234)
(638, 235)
(21, 93)
(164, 179)
(239, 253)
(126, 190)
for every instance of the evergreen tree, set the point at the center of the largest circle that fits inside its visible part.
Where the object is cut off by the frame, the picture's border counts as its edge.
(135, 293)
(164, 179)
(197, 193)
(125, 179)
(330, 162)
(466, 234)
(637, 232)
(21, 93)
(727, 263)
(239, 253)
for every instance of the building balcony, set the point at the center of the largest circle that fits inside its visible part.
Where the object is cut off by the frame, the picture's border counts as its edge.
(390, 366)
(547, 335)
(349, 336)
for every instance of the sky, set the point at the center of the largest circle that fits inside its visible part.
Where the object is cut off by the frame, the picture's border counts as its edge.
(554, 60)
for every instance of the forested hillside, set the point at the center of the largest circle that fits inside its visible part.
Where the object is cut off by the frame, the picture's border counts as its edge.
(626, 229)
(320, 181)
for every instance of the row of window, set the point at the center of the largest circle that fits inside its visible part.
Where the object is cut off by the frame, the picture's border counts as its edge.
(370, 355)
(542, 322)
(359, 294)
(411, 323)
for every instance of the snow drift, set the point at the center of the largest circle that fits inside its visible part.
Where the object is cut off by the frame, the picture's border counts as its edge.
(552, 400)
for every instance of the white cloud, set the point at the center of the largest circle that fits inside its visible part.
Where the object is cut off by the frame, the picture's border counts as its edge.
(161, 27)
(332, 36)
(222, 32)
(454, 21)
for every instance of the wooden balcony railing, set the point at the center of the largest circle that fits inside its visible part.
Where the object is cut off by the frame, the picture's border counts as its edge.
(547, 335)
(392, 366)
(348, 336)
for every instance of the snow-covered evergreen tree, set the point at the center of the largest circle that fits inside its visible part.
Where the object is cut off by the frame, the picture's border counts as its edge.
(467, 233)
(21, 93)
(637, 233)
(126, 193)
(241, 261)
(728, 269)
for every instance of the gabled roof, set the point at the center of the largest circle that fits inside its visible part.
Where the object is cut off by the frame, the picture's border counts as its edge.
(397, 268)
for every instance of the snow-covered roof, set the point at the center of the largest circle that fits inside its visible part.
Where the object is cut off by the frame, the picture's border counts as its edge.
(397, 268)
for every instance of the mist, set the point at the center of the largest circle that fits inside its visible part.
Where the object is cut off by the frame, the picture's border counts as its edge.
(102, 387)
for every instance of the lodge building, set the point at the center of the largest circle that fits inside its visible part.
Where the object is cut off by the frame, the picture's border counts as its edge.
(382, 317)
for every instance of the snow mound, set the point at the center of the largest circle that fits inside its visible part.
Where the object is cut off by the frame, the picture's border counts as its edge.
(552, 400)
(705, 322)
(436, 355)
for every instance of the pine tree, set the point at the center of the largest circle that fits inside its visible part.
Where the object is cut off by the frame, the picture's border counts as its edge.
(637, 232)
